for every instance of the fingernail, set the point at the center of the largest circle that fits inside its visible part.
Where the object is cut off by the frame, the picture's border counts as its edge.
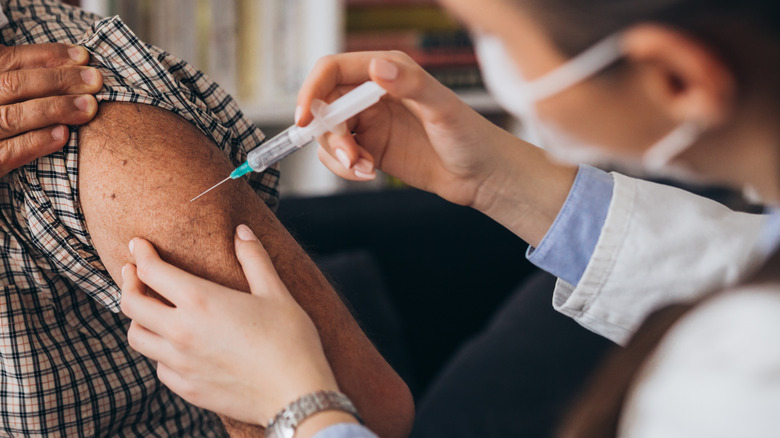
(364, 166)
(58, 133)
(343, 158)
(124, 270)
(130, 245)
(89, 76)
(363, 175)
(298, 114)
(245, 233)
(385, 70)
(82, 103)
(77, 53)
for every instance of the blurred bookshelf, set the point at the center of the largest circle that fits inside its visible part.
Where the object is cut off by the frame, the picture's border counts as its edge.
(260, 51)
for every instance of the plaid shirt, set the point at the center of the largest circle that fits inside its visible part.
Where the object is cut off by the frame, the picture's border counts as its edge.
(65, 366)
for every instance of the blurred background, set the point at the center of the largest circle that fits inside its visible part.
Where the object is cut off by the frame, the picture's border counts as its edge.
(260, 51)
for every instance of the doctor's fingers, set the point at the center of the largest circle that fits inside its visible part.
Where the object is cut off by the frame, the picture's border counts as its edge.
(331, 73)
(341, 144)
(256, 263)
(150, 344)
(176, 383)
(334, 160)
(175, 285)
(394, 71)
(137, 305)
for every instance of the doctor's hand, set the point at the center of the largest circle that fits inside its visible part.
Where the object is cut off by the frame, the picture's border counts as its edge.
(421, 132)
(242, 355)
(43, 88)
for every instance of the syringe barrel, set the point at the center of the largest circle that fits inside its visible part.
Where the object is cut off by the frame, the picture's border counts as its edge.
(295, 137)
(350, 105)
(275, 149)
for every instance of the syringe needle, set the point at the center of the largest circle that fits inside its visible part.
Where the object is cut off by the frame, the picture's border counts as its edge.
(217, 185)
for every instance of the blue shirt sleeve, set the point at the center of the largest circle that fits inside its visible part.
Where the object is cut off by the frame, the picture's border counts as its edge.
(345, 430)
(571, 240)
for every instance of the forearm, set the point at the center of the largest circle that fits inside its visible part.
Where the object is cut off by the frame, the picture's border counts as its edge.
(133, 184)
(526, 190)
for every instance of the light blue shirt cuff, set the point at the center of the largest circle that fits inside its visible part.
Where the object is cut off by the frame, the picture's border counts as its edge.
(345, 430)
(571, 240)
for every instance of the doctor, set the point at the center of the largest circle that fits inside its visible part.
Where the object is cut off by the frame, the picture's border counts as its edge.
(678, 87)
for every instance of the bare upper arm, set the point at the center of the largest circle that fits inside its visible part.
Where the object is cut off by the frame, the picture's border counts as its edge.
(139, 166)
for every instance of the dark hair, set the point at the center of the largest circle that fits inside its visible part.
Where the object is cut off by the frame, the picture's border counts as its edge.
(744, 33)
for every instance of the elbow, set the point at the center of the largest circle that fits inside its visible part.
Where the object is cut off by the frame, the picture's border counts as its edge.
(395, 416)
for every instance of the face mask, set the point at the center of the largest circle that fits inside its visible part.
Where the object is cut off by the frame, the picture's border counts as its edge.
(519, 97)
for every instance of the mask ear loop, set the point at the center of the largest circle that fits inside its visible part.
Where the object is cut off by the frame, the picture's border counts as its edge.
(669, 147)
(586, 64)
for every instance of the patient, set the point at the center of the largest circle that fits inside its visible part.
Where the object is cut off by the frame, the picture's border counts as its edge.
(163, 134)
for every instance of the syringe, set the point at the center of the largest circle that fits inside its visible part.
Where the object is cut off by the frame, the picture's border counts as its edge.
(326, 118)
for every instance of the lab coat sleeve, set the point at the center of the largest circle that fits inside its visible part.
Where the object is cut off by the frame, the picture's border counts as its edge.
(659, 245)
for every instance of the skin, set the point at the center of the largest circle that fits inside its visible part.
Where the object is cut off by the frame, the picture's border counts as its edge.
(132, 183)
(422, 134)
(43, 87)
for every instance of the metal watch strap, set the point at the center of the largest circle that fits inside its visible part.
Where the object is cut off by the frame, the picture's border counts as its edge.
(283, 425)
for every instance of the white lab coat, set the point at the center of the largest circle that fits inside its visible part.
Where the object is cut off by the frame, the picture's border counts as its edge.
(659, 245)
(715, 375)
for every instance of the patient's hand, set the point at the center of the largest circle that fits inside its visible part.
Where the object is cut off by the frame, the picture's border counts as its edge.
(42, 88)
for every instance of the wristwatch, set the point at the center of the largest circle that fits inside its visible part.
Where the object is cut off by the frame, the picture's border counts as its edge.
(283, 425)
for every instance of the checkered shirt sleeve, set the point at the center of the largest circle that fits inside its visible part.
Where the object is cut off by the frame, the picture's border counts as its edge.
(65, 366)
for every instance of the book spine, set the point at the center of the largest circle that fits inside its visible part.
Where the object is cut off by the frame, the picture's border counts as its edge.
(248, 45)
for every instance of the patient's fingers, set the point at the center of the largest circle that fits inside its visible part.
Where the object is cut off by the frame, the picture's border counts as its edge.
(139, 306)
(20, 85)
(41, 55)
(22, 149)
(37, 113)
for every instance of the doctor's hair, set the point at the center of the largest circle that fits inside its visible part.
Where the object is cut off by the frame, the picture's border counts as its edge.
(745, 34)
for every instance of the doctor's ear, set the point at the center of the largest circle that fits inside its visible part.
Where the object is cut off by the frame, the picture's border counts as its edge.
(682, 74)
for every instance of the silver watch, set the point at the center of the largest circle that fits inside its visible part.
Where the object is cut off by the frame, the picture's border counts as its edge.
(283, 425)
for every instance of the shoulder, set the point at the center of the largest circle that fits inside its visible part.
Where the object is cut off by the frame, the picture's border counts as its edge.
(716, 373)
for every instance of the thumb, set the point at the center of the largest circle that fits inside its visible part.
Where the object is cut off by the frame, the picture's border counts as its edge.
(257, 265)
(405, 79)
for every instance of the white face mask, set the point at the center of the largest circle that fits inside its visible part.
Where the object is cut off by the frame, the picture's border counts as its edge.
(519, 98)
